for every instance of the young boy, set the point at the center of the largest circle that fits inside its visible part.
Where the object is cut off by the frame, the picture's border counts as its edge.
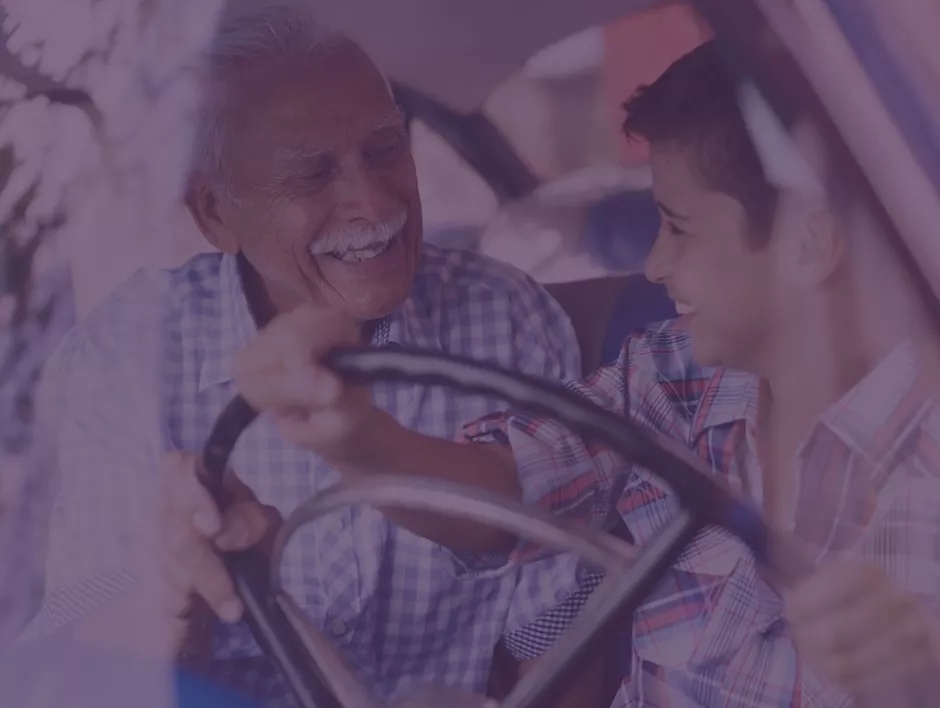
(792, 371)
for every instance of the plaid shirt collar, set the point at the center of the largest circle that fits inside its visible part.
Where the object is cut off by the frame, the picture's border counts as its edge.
(878, 415)
(730, 396)
(872, 419)
(848, 457)
(237, 327)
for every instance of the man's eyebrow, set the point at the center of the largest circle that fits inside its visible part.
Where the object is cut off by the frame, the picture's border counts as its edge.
(394, 118)
(670, 213)
(298, 153)
(305, 153)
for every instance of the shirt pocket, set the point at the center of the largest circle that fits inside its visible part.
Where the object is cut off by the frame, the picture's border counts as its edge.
(671, 627)
(904, 537)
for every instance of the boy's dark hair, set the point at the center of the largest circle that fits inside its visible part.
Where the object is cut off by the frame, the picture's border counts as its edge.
(694, 104)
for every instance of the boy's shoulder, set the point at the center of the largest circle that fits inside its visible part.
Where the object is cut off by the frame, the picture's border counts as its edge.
(662, 371)
(663, 352)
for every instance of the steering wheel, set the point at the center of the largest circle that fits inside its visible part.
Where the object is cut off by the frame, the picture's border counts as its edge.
(317, 673)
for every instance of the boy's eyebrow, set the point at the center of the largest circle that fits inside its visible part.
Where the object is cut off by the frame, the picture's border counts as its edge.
(669, 212)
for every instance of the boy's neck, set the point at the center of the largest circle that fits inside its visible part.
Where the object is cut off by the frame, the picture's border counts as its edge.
(817, 368)
(819, 365)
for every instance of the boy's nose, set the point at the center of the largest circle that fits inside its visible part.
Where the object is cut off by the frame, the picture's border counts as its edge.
(658, 263)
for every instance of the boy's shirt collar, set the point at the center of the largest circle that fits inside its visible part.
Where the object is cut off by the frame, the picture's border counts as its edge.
(867, 418)
(846, 460)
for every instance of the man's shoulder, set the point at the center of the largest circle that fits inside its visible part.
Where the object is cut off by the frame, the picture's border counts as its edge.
(462, 269)
(135, 312)
(491, 310)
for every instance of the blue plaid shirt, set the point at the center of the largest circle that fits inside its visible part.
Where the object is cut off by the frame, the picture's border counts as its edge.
(402, 609)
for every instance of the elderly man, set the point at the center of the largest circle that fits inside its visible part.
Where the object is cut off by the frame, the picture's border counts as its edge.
(835, 438)
(304, 181)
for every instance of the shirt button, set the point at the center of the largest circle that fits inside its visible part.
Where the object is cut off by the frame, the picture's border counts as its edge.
(335, 524)
(338, 628)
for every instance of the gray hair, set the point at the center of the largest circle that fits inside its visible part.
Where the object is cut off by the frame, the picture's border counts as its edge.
(249, 31)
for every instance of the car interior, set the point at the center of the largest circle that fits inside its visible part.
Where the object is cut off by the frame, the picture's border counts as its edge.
(617, 224)
(606, 308)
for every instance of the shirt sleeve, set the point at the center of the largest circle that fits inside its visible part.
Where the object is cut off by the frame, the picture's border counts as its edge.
(535, 638)
(99, 413)
(558, 470)
(581, 481)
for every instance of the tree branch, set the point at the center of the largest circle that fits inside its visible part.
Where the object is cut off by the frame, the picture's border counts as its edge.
(36, 83)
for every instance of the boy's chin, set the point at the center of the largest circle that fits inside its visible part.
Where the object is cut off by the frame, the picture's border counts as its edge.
(704, 350)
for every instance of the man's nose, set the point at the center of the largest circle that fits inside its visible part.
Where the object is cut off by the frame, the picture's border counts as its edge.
(658, 265)
(360, 194)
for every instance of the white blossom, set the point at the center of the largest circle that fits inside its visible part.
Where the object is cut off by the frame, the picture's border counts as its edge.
(122, 161)
(112, 169)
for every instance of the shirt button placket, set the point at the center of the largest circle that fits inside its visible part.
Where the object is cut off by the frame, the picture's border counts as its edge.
(334, 540)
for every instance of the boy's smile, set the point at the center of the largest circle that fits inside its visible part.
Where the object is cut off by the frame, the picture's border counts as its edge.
(723, 286)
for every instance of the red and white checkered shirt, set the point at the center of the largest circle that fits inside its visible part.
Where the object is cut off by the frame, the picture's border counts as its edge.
(712, 633)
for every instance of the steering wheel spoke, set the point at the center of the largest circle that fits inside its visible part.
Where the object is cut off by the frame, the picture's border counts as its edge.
(313, 667)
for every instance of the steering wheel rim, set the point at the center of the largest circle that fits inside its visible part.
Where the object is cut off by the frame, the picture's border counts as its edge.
(705, 498)
(628, 573)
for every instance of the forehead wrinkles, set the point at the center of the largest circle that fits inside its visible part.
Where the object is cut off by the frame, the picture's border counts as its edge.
(296, 147)
(298, 111)
(280, 120)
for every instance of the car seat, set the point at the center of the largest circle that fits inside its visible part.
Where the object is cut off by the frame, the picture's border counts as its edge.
(604, 311)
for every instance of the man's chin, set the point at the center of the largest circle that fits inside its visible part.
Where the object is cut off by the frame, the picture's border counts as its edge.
(372, 303)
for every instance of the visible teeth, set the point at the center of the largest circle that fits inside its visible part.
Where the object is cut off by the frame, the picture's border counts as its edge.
(684, 309)
(356, 255)
(355, 241)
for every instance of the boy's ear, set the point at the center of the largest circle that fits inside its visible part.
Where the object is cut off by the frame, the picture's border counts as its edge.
(823, 238)
(202, 201)
(822, 246)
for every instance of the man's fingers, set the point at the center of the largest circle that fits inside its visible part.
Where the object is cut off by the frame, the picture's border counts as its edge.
(313, 429)
(213, 584)
(863, 634)
(194, 532)
(235, 490)
(284, 386)
(193, 564)
(829, 590)
(279, 368)
(842, 643)
(244, 525)
(891, 656)
(184, 494)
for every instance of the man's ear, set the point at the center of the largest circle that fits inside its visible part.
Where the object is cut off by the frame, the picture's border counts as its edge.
(204, 206)
(822, 247)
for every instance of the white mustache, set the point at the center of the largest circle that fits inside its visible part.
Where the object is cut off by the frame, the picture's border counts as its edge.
(355, 237)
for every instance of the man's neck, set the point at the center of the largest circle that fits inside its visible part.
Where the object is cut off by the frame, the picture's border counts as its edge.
(263, 305)
(260, 303)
